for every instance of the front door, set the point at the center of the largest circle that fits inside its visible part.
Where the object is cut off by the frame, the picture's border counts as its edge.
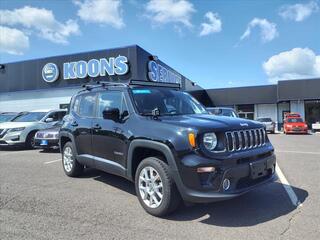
(108, 141)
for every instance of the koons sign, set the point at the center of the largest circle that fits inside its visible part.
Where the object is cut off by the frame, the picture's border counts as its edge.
(82, 69)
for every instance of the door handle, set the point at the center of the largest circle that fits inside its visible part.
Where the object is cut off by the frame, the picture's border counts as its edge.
(97, 127)
(75, 124)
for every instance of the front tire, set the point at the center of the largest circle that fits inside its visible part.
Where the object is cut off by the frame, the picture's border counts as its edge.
(71, 166)
(30, 142)
(155, 188)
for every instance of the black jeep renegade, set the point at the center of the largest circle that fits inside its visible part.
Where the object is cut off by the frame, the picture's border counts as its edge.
(164, 141)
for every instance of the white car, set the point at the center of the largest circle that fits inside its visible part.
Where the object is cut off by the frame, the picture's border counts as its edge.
(270, 125)
(316, 127)
(22, 130)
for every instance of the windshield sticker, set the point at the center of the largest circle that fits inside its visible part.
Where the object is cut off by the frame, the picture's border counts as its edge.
(141, 91)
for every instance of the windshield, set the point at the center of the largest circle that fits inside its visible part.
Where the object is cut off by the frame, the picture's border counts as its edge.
(264, 119)
(30, 117)
(167, 101)
(6, 117)
(223, 112)
(295, 120)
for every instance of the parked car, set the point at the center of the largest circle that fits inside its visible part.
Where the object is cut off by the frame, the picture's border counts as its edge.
(22, 129)
(316, 127)
(295, 125)
(269, 124)
(7, 116)
(222, 111)
(164, 141)
(48, 138)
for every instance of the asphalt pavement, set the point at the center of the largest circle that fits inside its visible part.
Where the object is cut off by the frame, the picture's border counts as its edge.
(37, 201)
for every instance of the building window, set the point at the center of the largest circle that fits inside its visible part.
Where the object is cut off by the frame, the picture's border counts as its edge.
(246, 111)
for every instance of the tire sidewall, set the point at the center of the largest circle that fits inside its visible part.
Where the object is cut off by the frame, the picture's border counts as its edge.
(72, 172)
(29, 140)
(162, 169)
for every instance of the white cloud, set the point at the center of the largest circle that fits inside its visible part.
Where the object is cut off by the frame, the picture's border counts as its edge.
(268, 29)
(298, 12)
(41, 21)
(170, 11)
(214, 25)
(13, 41)
(297, 63)
(105, 12)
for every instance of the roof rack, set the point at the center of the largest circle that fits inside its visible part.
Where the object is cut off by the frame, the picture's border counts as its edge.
(156, 84)
(100, 84)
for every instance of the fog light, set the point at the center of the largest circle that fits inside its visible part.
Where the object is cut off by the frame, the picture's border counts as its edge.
(226, 184)
(205, 169)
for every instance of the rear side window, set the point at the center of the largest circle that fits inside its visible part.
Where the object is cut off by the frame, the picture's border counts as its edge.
(86, 107)
(111, 99)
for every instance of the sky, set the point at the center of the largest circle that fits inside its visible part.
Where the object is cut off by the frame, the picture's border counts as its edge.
(215, 43)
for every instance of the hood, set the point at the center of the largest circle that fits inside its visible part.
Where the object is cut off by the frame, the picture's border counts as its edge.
(51, 130)
(16, 124)
(206, 121)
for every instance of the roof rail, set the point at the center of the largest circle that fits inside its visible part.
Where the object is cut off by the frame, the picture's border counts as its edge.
(99, 84)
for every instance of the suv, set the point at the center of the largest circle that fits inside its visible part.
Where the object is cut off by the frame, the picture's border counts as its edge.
(164, 141)
(21, 130)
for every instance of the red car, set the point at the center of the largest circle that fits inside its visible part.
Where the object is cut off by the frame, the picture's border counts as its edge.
(295, 125)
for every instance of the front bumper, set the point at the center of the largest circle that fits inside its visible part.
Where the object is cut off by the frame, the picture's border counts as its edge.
(12, 139)
(297, 131)
(46, 143)
(240, 171)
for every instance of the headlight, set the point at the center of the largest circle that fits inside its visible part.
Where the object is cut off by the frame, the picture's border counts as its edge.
(210, 141)
(16, 129)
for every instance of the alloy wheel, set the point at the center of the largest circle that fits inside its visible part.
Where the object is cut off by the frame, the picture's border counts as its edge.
(150, 187)
(68, 159)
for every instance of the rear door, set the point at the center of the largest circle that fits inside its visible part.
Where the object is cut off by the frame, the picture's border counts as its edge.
(84, 114)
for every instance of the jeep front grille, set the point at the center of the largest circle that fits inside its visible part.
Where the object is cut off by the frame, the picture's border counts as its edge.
(245, 139)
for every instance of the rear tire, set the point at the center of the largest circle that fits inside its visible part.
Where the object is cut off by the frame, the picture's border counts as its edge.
(155, 187)
(71, 166)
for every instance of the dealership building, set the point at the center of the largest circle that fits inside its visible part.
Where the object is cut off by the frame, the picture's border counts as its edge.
(272, 101)
(49, 83)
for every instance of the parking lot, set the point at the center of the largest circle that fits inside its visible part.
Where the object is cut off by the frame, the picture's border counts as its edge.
(37, 201)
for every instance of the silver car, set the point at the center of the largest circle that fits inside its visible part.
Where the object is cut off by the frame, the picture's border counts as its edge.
(270, 125)
(21, 131)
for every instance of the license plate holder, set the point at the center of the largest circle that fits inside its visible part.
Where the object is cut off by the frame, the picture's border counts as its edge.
(44, 142)
(258, 169)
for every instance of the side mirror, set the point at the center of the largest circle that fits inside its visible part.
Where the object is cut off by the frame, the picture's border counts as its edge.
(111, 114)
(48, 120)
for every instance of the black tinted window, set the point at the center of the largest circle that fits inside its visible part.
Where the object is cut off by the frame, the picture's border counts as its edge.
(111, 99)
(86, 108)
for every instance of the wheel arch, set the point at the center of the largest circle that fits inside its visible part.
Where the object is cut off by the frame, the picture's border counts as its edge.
(150, 147)
(65, 137)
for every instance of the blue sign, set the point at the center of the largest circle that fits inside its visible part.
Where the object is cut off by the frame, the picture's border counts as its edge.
(159, 73)
(50, 72)
(94, 68)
